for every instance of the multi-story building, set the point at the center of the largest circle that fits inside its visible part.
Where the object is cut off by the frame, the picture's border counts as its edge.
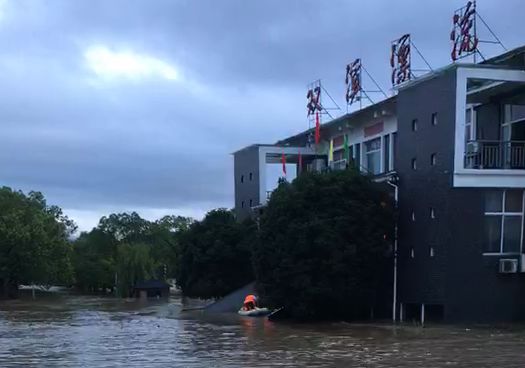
(453, 140)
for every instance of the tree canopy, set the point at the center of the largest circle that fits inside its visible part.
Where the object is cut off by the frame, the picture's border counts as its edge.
(125, 248)
(34, 241)
(214, 255)
(323, 239)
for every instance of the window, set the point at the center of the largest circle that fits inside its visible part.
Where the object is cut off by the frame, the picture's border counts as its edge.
(251, 176)
(242, 204)
(414, 125)
(242, 178)
(386, 153)
(358, 155)
(394, 153)
(433, 159)
(434, 119)
(431, 252)
(339, 155)
(513, 113)
(503, 221)
(251, 203)
(373, 156)
(513, 129)
(432, 213)
(469, 124)
(414, 164)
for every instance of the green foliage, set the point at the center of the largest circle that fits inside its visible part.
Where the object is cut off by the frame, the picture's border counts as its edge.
(134, 264)
(214, 255)
(34, 245)
(321, 244)
(94, 260)
(127, 248)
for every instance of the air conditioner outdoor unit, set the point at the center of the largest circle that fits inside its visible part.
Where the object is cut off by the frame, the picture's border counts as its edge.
(508, 265)
(473, 147)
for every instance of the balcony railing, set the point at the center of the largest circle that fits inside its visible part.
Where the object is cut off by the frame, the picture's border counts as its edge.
(485, 154)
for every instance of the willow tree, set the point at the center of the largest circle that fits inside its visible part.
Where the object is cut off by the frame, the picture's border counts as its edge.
(125, 248)
(322, 244)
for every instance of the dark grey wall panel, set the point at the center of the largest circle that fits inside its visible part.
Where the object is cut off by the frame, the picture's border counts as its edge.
(459, 276)
(246, 161)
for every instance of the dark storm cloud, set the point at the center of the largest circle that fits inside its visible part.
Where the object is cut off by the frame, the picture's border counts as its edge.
(98, 143)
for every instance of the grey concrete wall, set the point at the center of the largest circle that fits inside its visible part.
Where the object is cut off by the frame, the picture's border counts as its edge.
(422, 278)
(246, 162)
(459, 276)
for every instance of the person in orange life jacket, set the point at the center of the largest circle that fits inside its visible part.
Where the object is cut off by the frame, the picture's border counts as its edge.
(250, 302)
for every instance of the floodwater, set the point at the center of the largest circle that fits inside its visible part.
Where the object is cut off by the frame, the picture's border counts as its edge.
(85, 331)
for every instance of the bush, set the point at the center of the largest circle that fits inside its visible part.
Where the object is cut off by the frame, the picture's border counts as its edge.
(214, 256)
(320, 239)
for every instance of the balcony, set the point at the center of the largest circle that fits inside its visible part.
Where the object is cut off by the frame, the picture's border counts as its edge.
(495, 155)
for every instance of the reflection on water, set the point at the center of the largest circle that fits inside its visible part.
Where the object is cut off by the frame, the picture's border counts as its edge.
(76, 331)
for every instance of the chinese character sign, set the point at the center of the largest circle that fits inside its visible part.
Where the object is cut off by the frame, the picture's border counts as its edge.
(353, 81)
(463, 35)
(314, 100)
(400, 60)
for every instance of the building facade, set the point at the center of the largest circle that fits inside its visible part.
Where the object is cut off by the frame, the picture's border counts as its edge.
(453, 141)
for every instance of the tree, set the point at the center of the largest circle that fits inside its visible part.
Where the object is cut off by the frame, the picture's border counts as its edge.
(165, 234)
(134, 264)
(214, 255)
(94, 260)
(322, 239)
(124, 247)
(34, 244)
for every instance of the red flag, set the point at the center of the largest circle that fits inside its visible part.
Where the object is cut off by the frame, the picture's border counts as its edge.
(300, 159)
(317, 128)
(283, 160)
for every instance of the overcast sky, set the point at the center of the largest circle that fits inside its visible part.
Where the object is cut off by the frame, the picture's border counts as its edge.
(110, 105)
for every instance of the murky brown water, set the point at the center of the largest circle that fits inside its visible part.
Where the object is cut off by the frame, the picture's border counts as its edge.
(80, 331)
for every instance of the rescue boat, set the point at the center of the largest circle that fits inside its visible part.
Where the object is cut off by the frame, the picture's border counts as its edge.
(256, 312)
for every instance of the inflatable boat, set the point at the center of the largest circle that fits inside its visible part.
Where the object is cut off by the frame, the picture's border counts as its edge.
(257, 312)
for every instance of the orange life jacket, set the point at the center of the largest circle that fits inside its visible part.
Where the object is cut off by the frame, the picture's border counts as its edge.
(249, 299)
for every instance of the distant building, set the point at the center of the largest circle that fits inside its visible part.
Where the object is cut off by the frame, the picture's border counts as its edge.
(151, 289)
(453, 141)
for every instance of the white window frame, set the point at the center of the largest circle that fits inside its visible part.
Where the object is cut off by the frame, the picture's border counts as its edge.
(502, 214)
(465, 177)
(507, 111)
(379, 150)
(472, 123)
(363, 164)
(507, 122)
(392, 158)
